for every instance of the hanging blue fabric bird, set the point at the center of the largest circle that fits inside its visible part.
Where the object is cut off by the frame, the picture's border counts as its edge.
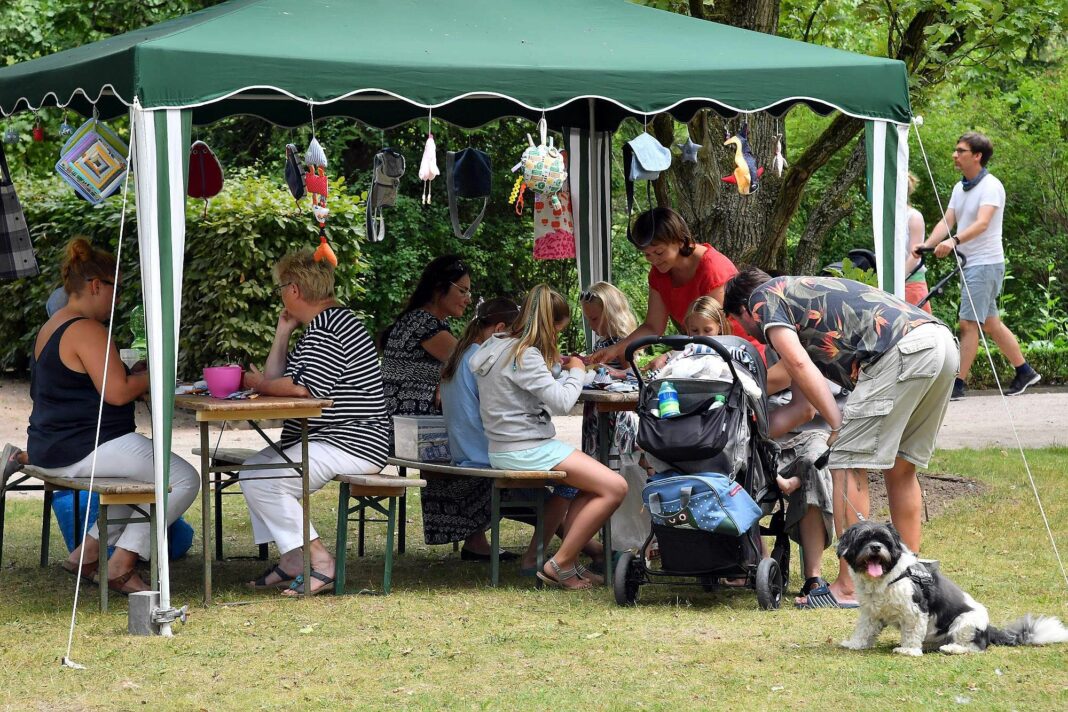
(746, 174)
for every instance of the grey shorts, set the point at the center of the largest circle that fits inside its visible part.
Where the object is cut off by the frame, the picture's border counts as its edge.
(799, 453)
(979, 292)
(899, 402)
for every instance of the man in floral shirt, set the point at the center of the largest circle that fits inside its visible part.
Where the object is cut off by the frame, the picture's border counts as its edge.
(898, 361)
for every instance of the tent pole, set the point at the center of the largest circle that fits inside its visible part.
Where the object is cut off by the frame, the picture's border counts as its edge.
(161, 145)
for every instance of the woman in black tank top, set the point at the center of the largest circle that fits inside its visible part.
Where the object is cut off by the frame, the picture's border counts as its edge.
(70, 356)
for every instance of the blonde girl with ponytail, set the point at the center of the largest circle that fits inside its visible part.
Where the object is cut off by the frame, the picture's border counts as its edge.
(518, 395)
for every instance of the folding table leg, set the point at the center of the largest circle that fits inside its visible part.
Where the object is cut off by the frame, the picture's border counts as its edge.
(218, 516)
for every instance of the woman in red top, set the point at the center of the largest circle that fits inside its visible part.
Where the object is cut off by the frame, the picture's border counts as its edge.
(682, 271)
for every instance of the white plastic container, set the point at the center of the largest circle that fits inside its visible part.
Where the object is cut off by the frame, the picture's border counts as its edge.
(421, 437)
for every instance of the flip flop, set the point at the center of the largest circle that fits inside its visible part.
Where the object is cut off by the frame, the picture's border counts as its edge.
(261, 583)
(297, 587)
(821, 597)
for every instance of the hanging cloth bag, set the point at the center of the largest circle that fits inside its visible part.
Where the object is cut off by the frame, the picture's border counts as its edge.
(644, 158)
(468, 174)
(554, 228)
(16, 251)
(389, 167)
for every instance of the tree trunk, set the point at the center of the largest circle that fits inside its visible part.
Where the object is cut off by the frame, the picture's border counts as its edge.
(836, 205)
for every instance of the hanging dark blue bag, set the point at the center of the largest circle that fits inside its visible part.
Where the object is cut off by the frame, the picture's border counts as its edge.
(708, 501)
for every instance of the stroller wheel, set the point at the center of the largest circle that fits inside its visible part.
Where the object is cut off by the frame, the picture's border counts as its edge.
(768, 585)
(781, 553)
(627, 580)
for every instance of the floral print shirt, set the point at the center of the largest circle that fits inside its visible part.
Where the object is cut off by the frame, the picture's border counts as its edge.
(842, 324)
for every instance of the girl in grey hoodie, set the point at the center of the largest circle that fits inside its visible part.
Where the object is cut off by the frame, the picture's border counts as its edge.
(518, 396)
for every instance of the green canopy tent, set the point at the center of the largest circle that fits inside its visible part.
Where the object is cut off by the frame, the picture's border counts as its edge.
(584, 66)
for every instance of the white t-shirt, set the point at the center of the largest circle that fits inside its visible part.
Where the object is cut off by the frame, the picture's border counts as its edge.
(985, 249)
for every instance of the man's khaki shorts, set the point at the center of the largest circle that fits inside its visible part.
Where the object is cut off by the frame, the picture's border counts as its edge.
(899, 402)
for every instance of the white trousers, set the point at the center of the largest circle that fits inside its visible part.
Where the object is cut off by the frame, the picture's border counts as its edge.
(130, 456)
(274, 504)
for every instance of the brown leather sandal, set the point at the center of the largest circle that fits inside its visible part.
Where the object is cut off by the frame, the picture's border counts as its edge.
(117, 584)
(88, 570)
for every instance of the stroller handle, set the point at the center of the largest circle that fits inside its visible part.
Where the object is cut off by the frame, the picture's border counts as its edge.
(677, 343)
(940, 286)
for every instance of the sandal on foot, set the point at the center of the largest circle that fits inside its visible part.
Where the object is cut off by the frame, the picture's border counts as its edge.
(821, 597)
(261, 583)
(562, 575)
(88, 569)
(9, 461)
(297, 587)
(593, 577)
(118, 583)
(810, 585)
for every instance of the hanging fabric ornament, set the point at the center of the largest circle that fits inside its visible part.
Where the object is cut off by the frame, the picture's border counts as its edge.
(205, 173)
(293, 174)
(65, 129)
(778, 161)
(11, 136)
(543, 167)
(318, 187)
(428, 167)
(93, 161)
(689, 150)
(38, 130)
(746, 174)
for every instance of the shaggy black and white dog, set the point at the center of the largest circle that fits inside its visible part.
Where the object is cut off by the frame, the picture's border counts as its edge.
(894, 589)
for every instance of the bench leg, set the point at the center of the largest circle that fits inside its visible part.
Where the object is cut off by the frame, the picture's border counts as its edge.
(3, 508)
(362, 518)
(391, 523)
(342, 538)
(495, 536)
(539, 529)
(102, 567)
(153, 560)
(46, 527)
(403, 514)
(218, 517)
(76, 512)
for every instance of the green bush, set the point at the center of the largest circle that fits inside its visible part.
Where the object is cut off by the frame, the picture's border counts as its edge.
(228, 309)
(1051, 362)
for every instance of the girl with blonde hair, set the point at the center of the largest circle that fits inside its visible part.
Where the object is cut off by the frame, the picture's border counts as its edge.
(518, 395)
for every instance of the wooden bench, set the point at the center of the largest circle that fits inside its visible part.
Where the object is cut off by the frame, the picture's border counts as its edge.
(356, 495)
(533, 481)
(111, 491)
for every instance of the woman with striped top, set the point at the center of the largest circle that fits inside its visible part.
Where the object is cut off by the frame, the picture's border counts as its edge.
(334, 359)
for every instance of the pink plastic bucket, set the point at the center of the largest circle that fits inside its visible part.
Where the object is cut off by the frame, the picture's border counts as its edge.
(223, 380)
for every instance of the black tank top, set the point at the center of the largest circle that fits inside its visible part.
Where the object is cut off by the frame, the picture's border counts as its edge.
(65, 403)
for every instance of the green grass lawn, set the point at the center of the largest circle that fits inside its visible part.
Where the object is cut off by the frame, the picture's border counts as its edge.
(443, 639)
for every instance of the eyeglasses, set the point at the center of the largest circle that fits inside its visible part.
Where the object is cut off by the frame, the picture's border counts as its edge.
(464, 291)
(277, 290)
(102, 281)
(957, 151)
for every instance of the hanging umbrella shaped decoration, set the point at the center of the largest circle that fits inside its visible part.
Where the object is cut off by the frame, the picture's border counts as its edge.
(316, 184)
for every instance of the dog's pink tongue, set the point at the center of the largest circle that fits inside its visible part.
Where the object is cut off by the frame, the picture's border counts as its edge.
(875, 569)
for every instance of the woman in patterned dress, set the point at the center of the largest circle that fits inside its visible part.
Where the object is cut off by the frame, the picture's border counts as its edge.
(414, 348)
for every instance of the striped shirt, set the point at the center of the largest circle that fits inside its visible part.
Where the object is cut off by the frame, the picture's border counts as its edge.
(335, 359)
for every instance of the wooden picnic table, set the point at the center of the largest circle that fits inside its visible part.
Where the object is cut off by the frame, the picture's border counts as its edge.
(214, 410)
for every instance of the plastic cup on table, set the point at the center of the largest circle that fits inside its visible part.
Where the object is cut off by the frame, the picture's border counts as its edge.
(223, 380)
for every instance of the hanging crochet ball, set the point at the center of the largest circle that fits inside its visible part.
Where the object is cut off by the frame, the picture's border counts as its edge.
(65, 129)
(38, 133)
(11, 137)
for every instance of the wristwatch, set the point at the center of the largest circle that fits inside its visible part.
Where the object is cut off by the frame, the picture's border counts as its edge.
(956, 240)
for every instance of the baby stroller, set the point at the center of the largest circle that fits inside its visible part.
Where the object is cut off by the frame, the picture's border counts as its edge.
(722, 428)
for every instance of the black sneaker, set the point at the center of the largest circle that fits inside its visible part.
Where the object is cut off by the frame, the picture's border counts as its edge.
(1022, 381)
(958, 390)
